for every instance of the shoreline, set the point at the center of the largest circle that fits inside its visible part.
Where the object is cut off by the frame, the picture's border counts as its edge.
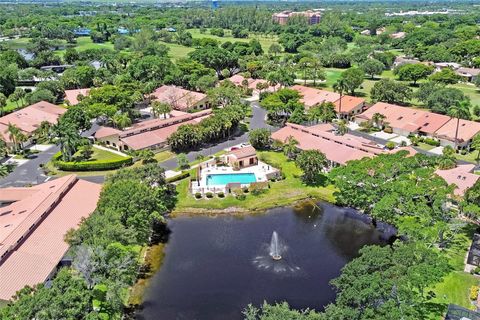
(238, 211)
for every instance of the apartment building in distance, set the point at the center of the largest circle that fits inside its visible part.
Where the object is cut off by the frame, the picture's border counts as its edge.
(313, 16)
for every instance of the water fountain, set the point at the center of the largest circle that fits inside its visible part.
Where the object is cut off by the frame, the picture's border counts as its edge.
(275, 250)
(275, 257)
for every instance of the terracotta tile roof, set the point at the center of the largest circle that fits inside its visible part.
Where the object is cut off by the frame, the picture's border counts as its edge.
(244, 152)
(177, 97)
(408, 119)
(160, 123)
(29, 118)
(312, 96)
(461, 176)
(72, 95)
(334, 150)
(252, 83)
(103, 132)
(33, 228)
(466, 130)
(349, 103)
(153, 138)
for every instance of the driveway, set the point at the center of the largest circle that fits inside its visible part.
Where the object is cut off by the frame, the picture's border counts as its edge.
(30, 172)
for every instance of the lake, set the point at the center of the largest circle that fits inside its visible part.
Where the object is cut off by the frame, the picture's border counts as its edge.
(214, 267)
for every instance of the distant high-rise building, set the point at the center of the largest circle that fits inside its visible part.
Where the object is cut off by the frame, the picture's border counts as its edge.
(313, 16)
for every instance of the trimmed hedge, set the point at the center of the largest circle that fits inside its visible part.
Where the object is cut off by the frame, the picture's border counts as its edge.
(90, 165)
(179, 177)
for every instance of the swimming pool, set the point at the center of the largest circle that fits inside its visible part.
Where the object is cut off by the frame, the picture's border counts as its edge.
(225, 178)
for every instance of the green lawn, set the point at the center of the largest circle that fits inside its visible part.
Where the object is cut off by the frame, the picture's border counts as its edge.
(98, 154)
(470, 157)
(177, 51)
(160, 157)
(265, 41)
(455, 287)
(281, 193)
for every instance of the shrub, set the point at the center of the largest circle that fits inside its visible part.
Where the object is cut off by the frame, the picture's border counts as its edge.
(245, 189)
(198, 195)
(431, 142)
(388, 130)
(238, 192)
(97, 165)
(221, 195)
(209, 195)
(241, 197)
(474, 292)
(183, 175)
(390, 145)
(258, 188)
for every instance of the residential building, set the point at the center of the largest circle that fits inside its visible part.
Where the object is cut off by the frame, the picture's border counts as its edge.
(34, 222)
(73, 97)
(349, 106)
(398, 35)
(468, 74)
(407, 121)
(242, 157)
(466, 131)
(399, 61)
(312, 16)
(461, 176)
(338, 149)
(150, 134)
(29, 119)
(181, 99)
(239, 81)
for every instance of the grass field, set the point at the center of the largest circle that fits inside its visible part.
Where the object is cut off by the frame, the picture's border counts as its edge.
(281, 193)
(265, 41)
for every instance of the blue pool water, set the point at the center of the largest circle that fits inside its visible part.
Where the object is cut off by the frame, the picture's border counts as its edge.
(223, 179)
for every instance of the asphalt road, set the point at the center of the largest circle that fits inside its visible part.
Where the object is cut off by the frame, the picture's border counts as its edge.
(30, 172)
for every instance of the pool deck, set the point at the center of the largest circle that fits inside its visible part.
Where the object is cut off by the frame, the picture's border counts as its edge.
(262, 171)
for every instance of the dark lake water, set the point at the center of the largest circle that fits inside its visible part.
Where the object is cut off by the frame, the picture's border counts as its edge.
(214, 267)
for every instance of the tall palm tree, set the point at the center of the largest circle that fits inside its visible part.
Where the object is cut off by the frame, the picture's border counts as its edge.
(461, 110)
(13, 134)
(290, 149)
(340, 86)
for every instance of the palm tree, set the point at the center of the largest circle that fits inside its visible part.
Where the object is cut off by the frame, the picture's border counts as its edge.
(4, 170)
(342, 127)
(14, 135)
(340, 86)
(122, 120)
(68, 138)
(290, 149)
(461, 110)
(378, 119)
(304, 65)
(160, 108)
